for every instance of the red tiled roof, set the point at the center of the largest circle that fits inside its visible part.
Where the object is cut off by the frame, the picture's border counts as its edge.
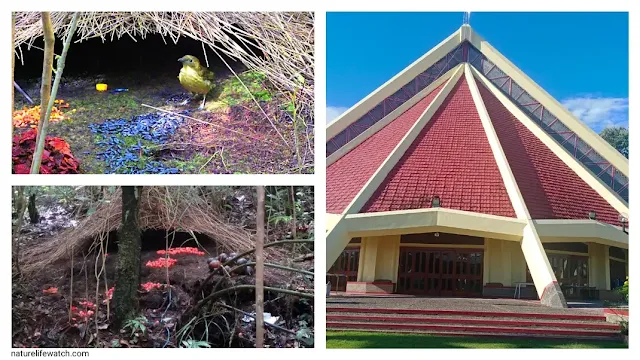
(551, 190)
(348, 175)
(451, 158)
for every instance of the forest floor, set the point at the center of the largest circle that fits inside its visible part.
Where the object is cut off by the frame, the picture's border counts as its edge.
(68, 304)
(231, 135)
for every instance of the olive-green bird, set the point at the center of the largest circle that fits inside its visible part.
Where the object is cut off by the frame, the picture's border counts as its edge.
(195, 77)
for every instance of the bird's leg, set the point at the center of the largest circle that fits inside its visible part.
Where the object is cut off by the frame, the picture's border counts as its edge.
(204, 99)
(187, 100)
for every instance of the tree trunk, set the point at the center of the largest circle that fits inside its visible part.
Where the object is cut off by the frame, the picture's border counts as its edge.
(45, 110)
(20, 208)
(47, 66)
(13, 62)
(33, 210)
(260, 269)
(128, 266)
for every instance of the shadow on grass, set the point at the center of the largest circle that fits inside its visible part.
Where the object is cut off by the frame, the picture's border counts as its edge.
(360, 340)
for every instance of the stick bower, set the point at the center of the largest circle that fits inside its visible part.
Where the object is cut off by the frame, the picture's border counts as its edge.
(284, 40)
(161, 208)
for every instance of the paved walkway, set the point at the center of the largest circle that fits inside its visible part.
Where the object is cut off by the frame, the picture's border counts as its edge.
(444, 303)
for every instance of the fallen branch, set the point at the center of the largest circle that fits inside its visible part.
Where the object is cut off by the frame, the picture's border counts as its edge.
(217, 294)
(232, 261)
(304, 258)
(276, 266)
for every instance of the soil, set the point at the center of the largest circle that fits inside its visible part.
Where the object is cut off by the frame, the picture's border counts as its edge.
(231, 135)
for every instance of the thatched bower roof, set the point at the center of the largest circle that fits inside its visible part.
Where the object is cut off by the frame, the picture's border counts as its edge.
(161, 208)
(286, 39)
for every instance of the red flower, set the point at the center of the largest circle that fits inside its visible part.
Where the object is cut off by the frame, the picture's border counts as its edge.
(161, 262)
(148, 286)
(181, 250)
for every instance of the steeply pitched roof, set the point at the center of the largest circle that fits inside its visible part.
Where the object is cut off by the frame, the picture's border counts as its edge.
(347, 176)
(449, 155)
(451, 159)
(551, 190)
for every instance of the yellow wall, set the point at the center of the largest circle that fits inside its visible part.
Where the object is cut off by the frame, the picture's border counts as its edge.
(387, 259)
(379, 258)
(599, 266)
(503, 262)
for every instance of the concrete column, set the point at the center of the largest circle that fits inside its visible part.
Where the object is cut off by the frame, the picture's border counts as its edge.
(387, 257)
(486, 261)
(545, 281)
(505, 263)
(599, 266)
(368, 259)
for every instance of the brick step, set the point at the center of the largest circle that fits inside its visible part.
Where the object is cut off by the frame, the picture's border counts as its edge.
(472, 328)
(482, 334)
(473, 321)
(555, 316)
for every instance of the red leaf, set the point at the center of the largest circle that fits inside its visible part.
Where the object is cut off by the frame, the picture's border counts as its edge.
(21, 169)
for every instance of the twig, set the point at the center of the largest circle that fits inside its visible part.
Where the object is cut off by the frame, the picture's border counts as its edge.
(217, 294)
(260, 269)
(253, 316)
(206, 122)
(276, 266)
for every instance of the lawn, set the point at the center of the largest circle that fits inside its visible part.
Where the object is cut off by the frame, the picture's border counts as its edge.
(359, 340)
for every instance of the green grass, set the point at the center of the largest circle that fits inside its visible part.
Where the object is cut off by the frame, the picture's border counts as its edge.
(363, 340)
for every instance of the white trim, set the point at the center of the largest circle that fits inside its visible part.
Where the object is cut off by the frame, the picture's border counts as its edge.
(387, 165)
(517, 201)
(585, 174)
(390, 117)
(391, 86)
(552, 105)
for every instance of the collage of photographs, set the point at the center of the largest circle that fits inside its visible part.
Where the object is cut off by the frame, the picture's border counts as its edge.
(472, 190)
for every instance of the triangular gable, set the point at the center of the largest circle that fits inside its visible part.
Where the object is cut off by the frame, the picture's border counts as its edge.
(451, 159)
(361, 121)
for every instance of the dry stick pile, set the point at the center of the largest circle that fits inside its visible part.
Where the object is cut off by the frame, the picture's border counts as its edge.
(161, 208)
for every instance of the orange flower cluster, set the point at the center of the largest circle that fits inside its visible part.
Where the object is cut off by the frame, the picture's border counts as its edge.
(148, 286)
(29, 117)
(51, 290)
(108, 295)
(181, 250)
(161, 262)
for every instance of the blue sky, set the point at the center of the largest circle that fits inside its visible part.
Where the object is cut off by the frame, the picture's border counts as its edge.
(588, 70)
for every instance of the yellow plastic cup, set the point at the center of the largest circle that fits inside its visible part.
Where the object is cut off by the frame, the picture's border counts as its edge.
(101, 87)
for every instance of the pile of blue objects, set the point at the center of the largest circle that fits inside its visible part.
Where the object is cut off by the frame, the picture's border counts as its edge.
(125, 159)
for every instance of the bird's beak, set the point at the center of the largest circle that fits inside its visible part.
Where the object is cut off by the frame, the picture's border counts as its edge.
(181, 59)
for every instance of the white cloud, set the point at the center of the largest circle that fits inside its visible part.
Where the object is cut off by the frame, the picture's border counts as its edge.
(335, 111)
(599, 112)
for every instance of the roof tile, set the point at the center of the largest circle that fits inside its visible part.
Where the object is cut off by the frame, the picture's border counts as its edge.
(450, 158)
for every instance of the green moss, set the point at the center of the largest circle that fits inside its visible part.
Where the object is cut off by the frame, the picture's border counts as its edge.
(232, 91)
(192, 165)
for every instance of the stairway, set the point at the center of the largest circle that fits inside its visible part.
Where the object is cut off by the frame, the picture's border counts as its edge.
(473, 323)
